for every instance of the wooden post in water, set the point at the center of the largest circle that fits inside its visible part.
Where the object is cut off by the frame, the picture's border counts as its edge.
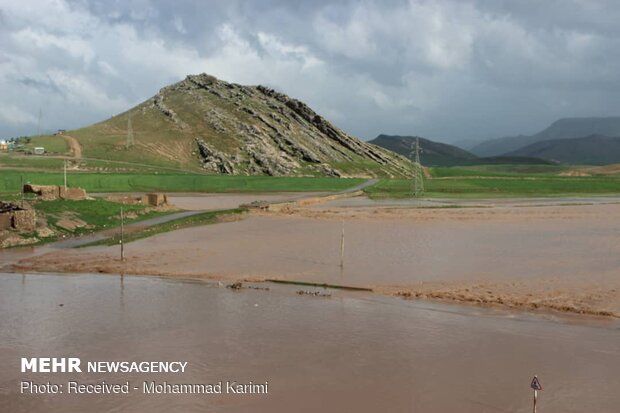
(342, 246)
(122, 235)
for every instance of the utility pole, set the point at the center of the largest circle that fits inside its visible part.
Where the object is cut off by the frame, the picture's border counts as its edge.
(129, 143)
(535, 385)
(122, 236)
(22, 190)
(417, 183)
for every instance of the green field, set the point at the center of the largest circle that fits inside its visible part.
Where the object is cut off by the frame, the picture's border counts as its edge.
(171, 182)
(52, 144)
(498, 170)
(30, 162)
(484, 181)
(462, 181)
(475, 187)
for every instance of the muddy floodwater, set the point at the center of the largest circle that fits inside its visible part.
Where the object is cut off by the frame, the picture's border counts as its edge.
(351, 352)
(537, 255)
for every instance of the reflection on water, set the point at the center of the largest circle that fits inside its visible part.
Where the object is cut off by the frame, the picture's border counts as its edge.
(358, 353)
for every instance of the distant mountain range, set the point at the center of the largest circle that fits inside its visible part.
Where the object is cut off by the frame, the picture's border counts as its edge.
(435, 153)
(589, 150)
(443, 154)
(562, 129)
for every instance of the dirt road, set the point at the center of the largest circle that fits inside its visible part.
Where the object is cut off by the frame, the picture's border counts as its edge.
(74, 145)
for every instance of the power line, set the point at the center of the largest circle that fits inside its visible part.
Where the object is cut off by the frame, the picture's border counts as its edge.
(39, 123)
(130, 141)
(417, 181)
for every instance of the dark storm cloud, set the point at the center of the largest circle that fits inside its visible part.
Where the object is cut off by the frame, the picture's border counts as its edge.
(444, 69)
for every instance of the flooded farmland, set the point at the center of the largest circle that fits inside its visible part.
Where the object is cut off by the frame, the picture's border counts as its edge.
(348, 352)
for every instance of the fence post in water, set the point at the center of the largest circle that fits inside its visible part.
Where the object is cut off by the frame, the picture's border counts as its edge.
(121, 240)
(342, 246)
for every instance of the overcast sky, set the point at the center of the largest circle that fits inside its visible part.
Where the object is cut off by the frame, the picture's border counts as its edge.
(446, 70)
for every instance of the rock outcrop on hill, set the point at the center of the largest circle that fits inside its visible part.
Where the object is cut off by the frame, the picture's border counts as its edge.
(226, 128)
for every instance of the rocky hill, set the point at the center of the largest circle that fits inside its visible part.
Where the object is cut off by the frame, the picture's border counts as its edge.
(567, 128)
(226, 128)
(589, 150)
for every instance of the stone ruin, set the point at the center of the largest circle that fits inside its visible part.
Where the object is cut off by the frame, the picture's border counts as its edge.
(152, 199)
(155, 199)
(52, 192)
(14, 217)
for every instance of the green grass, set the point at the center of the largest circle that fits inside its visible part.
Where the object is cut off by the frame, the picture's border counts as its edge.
(170, 182)
(519, 170)
(99, 214)
(52, 144)
(483, 181)
(500, 187)
(204, 218)
(31, 162)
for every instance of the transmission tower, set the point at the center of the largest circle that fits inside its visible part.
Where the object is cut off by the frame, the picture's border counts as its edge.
(39, 123)
(130, 140)
(417, 181)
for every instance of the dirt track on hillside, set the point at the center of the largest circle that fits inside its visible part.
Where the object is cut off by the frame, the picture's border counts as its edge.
(74, 145)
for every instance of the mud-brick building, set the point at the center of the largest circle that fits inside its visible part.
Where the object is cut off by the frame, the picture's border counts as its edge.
(155, 199)
(51, 192)
(14, 217)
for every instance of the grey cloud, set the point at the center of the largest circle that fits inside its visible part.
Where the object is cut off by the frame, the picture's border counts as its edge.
(42, 86)
(445, 69)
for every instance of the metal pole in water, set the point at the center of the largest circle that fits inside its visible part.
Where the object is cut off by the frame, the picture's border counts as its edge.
(535, 385)
(122, 234)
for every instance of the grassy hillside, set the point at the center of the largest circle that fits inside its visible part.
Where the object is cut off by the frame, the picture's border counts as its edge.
(204, 124)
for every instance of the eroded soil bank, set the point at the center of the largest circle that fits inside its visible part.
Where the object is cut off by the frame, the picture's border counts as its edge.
(557, 257)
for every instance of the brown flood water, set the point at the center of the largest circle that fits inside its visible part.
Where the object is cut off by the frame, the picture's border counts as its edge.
(347, 353)
(553, 257)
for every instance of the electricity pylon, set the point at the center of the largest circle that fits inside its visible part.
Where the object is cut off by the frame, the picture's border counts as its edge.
(39, 123)
(417, 181)
(130, 140)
